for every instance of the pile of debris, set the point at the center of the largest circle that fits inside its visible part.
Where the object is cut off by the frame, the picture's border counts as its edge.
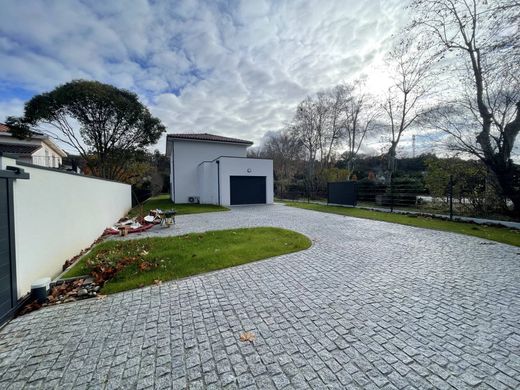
(128, 225)
(63, 291)
(165, 218)
(125, 226)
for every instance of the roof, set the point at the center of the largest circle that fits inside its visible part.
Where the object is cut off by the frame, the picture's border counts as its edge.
(19, 148)
(208, 137)
(4, 131)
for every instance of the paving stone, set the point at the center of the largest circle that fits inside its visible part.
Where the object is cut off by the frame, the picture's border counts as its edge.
(369, 305)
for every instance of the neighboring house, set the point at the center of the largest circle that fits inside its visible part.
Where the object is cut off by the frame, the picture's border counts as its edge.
(38, 149)
(212, 169)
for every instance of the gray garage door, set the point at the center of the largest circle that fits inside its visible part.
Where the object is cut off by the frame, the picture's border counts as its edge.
(7, 272)
(247, 189)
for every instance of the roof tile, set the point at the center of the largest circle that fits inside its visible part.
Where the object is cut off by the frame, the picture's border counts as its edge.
(208, 137)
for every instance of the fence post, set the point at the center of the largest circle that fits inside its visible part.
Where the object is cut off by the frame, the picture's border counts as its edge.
(451, 197)
(391, 192)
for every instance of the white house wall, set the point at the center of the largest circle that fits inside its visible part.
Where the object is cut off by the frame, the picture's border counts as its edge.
(186, 157)
(240, 167)
(51, 159)
(58, 214)
(208, 183)
(54, 159)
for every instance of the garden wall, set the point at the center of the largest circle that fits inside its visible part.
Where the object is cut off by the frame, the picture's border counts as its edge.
(56, 215)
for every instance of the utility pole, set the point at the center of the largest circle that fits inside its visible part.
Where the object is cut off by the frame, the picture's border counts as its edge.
(413, 146)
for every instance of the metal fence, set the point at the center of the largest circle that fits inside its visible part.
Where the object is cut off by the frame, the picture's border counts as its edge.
(405, 194)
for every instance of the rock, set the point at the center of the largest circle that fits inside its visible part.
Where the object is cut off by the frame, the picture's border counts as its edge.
(96, 289)
(82, 292)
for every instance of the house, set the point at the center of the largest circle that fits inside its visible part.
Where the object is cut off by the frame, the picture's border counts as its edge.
(38, 149)
(212, 169)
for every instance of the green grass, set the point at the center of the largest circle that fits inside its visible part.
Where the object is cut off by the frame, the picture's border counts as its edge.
(191, 254)
(164, 202)
(504, 235)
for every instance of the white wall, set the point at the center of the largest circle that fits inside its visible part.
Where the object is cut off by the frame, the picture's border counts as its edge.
(58, 214)
(50, 159)
(239, 167)
(208, 183)
(186, 157)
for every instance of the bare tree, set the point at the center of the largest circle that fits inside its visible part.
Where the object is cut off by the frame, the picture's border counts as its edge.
(342, 115)
(360, 115)
(484, 36)
(286, 152)
(316, 127)
(304, 128)
(410, 65)
(334, 100)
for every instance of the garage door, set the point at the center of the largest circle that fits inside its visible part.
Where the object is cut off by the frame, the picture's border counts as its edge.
(247, 189)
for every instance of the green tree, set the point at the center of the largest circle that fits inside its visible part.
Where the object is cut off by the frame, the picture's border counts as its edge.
(472, 184)
(106, 125)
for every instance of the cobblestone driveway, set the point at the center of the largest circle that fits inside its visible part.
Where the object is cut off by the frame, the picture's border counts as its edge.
(370, 305)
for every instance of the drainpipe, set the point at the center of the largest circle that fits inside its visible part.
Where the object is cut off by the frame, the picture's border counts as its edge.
(218, 181)
(172, 179)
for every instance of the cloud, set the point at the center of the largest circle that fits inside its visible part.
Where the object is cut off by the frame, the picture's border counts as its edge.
(235, 68)
(10, 107)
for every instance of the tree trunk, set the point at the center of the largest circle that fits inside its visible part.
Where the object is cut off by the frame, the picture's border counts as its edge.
(392, 153)
(506, 172)
(508, 177)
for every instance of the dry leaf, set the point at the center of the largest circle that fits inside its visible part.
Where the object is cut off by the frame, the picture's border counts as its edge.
(157, 282)
(247, 336)
(100, 297)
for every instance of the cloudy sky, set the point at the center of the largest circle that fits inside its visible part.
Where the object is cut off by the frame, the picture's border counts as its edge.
(235, 68)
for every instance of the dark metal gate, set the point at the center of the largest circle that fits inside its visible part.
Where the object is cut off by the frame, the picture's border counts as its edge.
(247, 189)
(344, 193)
(8, 293)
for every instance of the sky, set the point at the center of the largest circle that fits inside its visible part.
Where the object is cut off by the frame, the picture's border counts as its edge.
(234, 68)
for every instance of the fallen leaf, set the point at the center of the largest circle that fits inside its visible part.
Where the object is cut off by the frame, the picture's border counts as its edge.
(157, 282)
(247, 336)
(101, 297)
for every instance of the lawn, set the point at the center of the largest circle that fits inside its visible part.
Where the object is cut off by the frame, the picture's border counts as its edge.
(166, 258)
(164, 202)
(504, 235)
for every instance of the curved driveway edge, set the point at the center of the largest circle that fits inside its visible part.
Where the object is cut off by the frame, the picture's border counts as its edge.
(369, 305)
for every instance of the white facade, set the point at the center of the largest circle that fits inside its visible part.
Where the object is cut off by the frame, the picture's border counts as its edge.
(56, 215)
(186, 157)
(201, 168)
(245, 167)
(48, 153)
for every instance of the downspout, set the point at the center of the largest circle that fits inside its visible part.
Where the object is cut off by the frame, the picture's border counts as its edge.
(218, 181)
(173, 171)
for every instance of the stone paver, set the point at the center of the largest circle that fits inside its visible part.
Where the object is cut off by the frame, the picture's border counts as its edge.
(369, 305)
